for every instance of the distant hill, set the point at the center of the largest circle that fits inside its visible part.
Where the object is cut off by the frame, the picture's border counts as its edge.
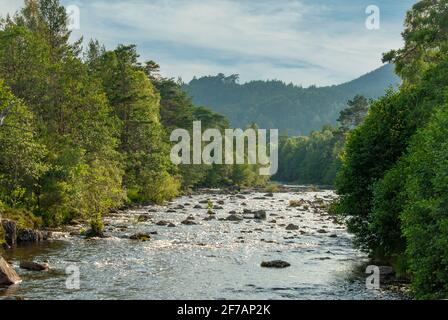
(274, 104)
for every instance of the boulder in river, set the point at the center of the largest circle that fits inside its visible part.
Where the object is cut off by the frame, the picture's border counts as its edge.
(143, 218)
(198, 206)
(8, 276)
(10, 228)
(31, 235)
(234, 217)
(141, 237)
(277, 264)
(189, 223)
(292, 227)
(162, 223)
(260, 215)
(34, 266)
(171, 225)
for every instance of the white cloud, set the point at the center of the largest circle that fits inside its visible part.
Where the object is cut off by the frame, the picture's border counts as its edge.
(262, 37)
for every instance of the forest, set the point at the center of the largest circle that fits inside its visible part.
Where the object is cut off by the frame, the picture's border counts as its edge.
(293, 109)
(86, 130)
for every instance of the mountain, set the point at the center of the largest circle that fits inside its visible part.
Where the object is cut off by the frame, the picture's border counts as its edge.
(275, 105)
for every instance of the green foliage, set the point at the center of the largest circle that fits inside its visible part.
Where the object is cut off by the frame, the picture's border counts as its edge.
(394, 175)
(425, 220)
(292, 109)
(311, 160)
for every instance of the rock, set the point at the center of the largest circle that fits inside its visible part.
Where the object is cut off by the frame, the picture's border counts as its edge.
(171, 211)
(296, 203)
(8, 276)
(234, 217)
(190, 218)
(273, 221)
(218, 208)
(278, 264)
(10, 228)
(247, 211)
(189, 223)
(171, 225)
(260, 215)
(143, 218)
(210, 218)
(334, 235)
(322, 231)
(179, 207)
(141, 237)
(34, 266)
(240, 196)
(221, 202)
(198, 206)
(30, 235)
(292, 227)
(386, 271)
(270, 195)
(204, 201)
(233, 212)
(162, 223)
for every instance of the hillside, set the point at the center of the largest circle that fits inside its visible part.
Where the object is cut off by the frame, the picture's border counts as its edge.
(290, 108)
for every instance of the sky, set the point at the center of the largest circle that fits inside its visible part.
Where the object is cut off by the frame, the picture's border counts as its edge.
(306, 42)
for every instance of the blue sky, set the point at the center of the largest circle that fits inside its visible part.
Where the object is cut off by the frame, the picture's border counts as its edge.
(301, 41)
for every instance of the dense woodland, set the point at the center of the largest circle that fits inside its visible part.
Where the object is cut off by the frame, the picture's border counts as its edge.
(292, 109)
(86, 130)
(393, 182)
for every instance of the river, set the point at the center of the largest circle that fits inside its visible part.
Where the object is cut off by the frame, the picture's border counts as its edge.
(214, 259)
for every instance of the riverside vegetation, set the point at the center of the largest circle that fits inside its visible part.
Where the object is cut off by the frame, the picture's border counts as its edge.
(86, 132)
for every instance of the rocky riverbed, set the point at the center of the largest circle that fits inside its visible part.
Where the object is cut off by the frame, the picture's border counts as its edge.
(210, 245)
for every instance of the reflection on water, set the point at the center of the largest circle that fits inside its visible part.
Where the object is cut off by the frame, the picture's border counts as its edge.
(212, 260)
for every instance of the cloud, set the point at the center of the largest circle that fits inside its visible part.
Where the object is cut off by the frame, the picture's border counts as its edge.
(302, 41)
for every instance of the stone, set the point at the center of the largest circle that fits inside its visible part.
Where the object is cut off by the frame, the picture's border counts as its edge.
(277, 264)
(171, 225)
(8, 276)
(260, 215)
(10, 228)
(141, 237)
(162, 223)
(292, 227)
(198, 206)
(189, 223)
(34, 266)
(31, 235)
(143, 218)
(270, 195)
(234, 217)
(322, 231)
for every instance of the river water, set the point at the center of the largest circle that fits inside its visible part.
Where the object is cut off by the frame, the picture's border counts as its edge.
(211, 260)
